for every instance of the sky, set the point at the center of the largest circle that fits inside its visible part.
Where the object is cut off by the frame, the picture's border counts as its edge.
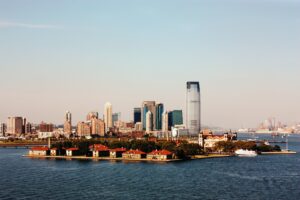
(59, 55)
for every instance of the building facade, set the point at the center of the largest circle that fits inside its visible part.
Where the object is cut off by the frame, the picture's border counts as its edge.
(68, 123)
(159, 109)
(15, 125)
(83, 129)
(147, 106)
(149, 121)
(137, 115)
(193, 117)
(116, 117)
(175, 118)
(97, 127)
(108, 116)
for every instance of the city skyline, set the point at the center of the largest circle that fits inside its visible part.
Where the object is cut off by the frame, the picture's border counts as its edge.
(244, 54)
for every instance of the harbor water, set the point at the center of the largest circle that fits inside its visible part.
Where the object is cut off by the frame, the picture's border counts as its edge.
(262, 177)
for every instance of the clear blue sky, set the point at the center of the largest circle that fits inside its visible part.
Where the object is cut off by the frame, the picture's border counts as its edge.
(76, 55)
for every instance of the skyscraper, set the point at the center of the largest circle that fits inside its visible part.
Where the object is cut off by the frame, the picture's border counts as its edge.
(116, 117)
(137, 115)
(92, 115)
(175, 118)
(68, 123)
(108, 116)
(193, 117)
(149, 121)
(15, 125)
(148, 106)
(165, 124)
(159, 109)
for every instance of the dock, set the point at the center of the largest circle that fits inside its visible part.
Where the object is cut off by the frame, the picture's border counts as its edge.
(99, 158)
(284, 152)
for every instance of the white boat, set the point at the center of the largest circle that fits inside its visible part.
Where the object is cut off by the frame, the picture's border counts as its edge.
(245, 153)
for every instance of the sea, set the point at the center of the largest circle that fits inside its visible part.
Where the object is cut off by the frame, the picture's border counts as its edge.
(263, 177)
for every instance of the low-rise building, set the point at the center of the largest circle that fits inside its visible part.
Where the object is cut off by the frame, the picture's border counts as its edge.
(53, 152)
(39, 151)
(117, 152)
(72, 151)
(208, 141)
(99, 150)
(160, 155)
(134, 154)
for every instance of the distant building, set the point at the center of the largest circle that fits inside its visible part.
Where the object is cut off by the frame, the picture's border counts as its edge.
(208, 140)
(134, 154)
(98, 127)
(2, 129)
(165, 124)
(108, 116)
(175, 118)
(83, 129)
(193, 117)
(92, 115)
(148, 106)
(159, 109)
(68, 123)
(149, 120)
(138, 126)
(116, 117)
(15, 125)
(137, 114)
(45, 127)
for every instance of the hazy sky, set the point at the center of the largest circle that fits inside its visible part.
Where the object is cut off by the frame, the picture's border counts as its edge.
(76, 55)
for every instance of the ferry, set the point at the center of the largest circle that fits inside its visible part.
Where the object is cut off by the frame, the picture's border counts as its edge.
(245, 153)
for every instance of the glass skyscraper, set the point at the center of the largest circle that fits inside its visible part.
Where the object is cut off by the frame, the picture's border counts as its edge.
(137, 115)
(175, 118)
(159, 109)
(193, 117)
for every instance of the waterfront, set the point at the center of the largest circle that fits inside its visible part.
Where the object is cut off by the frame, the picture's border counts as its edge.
(262, 177)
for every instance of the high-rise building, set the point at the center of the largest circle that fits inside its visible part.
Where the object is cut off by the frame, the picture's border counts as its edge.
(97, 127)
(175, 118)
(137, 115)
(165, 121)
(15, 125)
(108, 116)
(116, 117)
(2, 129)
(68, 123)
(149, 121)
(193, 106)
(83, 129)
(45, 127)
(92, 115)
(159, 109)
(147, 106)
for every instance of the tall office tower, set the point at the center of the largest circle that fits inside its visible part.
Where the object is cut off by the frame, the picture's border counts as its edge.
(148, 106)
(2, 129)
(97, 127)
(159, 109)
(137, 115)
(92, 115)
(15, 125)
(68, 123)
(116, 117)
(149, 121)
(68, 117)
(165, 123)
(108, 116)
(193, 113)
(28, 128)
(175, 118)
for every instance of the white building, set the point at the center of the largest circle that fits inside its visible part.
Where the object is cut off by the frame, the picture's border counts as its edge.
(108, 116)
(149, 120)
